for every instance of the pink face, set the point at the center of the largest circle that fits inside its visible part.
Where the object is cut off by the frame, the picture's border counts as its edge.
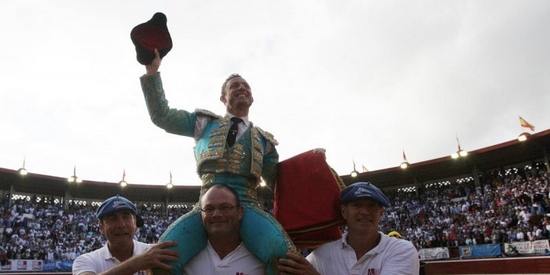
(119, 228)
(238, 94)
(221, 215)
(363, 215)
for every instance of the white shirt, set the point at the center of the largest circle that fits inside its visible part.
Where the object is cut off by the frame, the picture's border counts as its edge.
(201, 122)
(390, 256)
(242, 126)
(101, 260)
(239, 261)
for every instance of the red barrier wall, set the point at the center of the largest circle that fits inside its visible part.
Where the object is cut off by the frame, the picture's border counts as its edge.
(515, 265)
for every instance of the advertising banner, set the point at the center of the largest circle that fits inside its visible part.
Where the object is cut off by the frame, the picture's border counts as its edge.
(22, 265)
(480, 251)
(434, 253)
(58, 265)
(534, 247)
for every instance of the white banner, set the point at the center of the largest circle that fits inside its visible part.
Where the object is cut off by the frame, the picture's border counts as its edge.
(434, 253)
(22, 265)
(534, 247)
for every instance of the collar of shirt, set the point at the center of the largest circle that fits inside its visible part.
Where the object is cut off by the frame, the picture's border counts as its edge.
(216, 258)
(107, 255)
(375, 250)
(245, 119)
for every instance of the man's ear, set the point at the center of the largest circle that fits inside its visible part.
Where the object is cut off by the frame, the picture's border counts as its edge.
(101, 229)
(240, 211)
(222, 99)
(343, 210)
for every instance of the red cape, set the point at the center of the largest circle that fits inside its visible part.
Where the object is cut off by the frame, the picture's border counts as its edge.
(307, 200)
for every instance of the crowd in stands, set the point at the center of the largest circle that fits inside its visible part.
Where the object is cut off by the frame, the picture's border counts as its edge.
(502, 208)
(43, 229)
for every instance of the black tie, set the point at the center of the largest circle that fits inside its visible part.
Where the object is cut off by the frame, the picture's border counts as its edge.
(232, 134)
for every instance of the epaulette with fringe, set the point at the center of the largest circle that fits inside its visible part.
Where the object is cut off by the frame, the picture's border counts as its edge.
(207, 113)
(267, 135)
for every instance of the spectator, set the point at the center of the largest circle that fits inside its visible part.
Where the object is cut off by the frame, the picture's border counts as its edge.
(362, 249)
(118, 222)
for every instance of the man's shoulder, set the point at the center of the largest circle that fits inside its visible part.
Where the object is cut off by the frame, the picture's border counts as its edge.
(395, 244)
(267, 135)
(207, 113)
(327, 248)
(92, 255)
(140, 246)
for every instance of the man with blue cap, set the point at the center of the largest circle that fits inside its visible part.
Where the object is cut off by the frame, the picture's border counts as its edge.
(363, 249)
(122, 254)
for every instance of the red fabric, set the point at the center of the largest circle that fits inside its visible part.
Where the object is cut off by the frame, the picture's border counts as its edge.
(315, 238)
(307, 199)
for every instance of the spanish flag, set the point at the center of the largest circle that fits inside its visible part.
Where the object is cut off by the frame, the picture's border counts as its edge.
(526, 124)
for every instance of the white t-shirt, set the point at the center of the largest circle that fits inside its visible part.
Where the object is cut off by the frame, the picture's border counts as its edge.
(239, 261)
(101, 260)
(390, 256)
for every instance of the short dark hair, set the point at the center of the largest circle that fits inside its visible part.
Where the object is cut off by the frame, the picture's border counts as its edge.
(227, 80)
(225, 186)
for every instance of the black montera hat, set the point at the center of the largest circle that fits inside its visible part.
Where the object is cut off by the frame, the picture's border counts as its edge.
(149, 36)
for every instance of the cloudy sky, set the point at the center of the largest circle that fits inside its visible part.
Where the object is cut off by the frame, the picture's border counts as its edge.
(366, 80)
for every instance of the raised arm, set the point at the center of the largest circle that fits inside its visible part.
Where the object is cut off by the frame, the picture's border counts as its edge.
(172, 120)
(153, 68)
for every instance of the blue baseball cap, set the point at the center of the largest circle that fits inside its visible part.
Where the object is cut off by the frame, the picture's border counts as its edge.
(115, 204)
(363, 190)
